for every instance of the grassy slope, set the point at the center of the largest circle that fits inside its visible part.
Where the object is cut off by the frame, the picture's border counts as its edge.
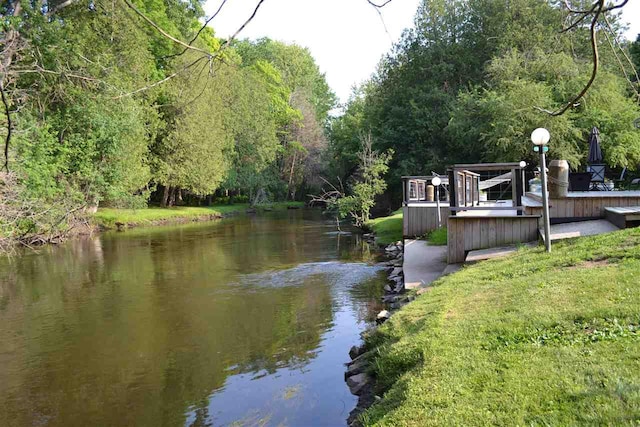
(533, 339)
(108, 217)
(388, 229)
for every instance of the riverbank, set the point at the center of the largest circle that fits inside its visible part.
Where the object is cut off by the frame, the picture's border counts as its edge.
(108, 218)
(535, 338)
(388, 229)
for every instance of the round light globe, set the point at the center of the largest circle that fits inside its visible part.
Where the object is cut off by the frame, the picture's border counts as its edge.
(436, 181)
(540, 136)
(523, 164)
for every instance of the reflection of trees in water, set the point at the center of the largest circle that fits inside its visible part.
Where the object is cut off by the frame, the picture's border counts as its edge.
(146, 326)
(366, 298)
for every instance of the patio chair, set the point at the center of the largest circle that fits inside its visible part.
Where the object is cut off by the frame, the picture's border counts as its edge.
(579, 181)
(597, 177)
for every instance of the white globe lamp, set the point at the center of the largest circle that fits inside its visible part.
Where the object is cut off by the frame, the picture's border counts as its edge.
(540, 137)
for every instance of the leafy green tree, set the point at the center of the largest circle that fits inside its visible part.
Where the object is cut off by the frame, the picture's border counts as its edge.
(344, 136)
(297, 68)
(367, 184)
(634, 49)
(502, 115)
(253, 124)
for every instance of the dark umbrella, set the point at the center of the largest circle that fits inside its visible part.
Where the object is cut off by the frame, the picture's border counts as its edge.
(595, 152)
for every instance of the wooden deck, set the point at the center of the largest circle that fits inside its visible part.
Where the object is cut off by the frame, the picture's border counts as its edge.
(467, 233)
(581, 205)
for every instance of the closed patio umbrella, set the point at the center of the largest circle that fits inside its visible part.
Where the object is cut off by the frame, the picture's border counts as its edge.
(595, 152)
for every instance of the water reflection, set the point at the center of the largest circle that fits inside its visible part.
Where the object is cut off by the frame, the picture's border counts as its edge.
(245, 321)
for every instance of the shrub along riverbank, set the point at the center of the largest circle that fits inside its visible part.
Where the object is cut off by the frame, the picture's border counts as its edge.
(108, 218)
(536, 338)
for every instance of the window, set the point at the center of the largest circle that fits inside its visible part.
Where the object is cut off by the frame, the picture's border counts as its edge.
(460, 189)
(421, 190)
(413, 190)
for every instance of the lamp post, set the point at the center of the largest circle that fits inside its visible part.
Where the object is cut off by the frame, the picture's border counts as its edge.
(523, 165)
(436, 181)
(540, 137)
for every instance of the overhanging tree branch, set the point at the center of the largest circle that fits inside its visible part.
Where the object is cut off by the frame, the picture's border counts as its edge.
(159, 82)
(200, 30)
(253, 15)
(209, 56)
(379, 5)
(163, 32)
(597, 9)
(7, 140)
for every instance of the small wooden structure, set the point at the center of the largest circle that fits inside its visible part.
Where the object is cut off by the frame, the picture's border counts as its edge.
(419, 208)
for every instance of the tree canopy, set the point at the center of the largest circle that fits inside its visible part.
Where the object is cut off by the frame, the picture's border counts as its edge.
(472, 78)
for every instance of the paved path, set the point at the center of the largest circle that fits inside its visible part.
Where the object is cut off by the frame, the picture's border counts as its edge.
(423, 263)
(580, 229)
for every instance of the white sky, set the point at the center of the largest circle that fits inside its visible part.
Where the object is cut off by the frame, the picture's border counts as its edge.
(346, 37)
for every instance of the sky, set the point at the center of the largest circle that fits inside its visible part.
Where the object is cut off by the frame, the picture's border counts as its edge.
(346, 37)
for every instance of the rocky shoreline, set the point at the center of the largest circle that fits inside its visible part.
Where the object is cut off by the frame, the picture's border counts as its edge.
(358, 380)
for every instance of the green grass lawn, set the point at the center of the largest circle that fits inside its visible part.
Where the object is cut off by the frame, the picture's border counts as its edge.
(388, 229)
(438, 237)
(533, 339)
(107, 217)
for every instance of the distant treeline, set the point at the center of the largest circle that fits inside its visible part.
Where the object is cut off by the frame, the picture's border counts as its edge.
(111, 101)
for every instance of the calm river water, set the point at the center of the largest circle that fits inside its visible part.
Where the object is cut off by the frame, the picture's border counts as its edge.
(246, 321)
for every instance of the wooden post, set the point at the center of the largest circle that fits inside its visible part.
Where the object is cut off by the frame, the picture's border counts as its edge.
(518, 180)
(453, 198)
(404, 192)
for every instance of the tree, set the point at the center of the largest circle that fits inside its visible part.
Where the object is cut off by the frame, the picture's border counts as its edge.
(634, 49)
(367, 184)
(472, 78)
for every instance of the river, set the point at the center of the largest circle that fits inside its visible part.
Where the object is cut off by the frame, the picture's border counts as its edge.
(243, 321)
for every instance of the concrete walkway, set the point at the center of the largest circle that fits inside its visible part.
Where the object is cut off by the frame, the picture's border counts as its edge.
(580, 229)
(423, 263)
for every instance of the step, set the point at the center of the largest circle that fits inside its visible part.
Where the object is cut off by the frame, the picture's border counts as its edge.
(530, 202)
(623, 217)
(579, 229)
(493, 253)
